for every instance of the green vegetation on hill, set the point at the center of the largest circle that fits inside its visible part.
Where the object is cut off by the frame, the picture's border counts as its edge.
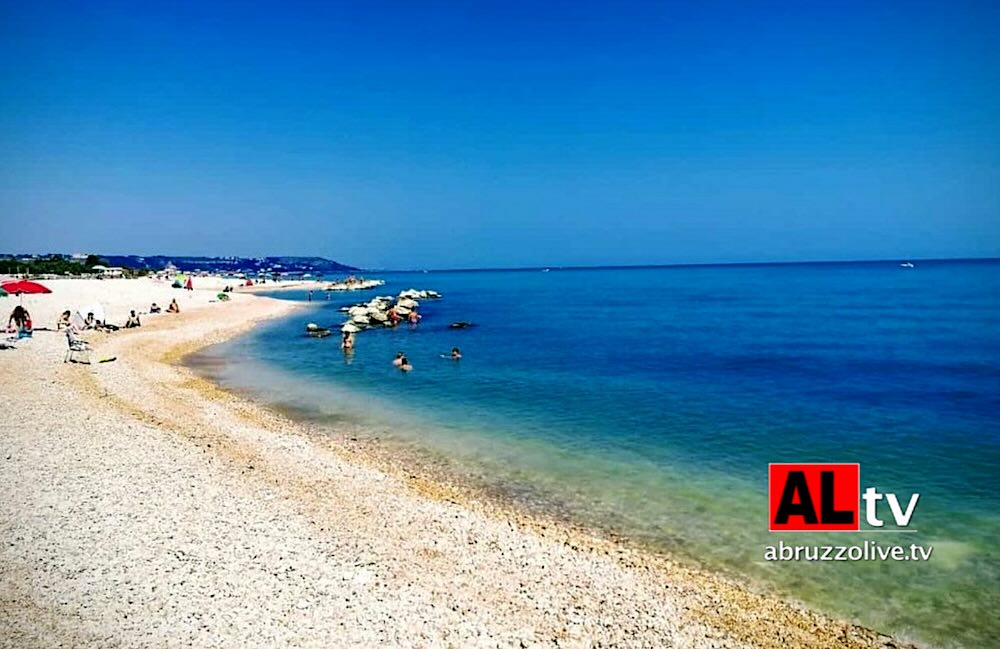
(55, 265)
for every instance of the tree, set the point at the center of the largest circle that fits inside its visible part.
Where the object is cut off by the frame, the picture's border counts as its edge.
(94, 260)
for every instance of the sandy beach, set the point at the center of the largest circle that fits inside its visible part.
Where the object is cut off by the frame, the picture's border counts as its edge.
(142, 506)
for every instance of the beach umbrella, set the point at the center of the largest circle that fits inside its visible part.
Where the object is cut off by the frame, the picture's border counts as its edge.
(24, 287)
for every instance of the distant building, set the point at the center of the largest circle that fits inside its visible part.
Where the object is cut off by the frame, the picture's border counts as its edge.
(109, 272)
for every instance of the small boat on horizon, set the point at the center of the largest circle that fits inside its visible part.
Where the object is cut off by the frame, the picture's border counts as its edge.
(906, 264)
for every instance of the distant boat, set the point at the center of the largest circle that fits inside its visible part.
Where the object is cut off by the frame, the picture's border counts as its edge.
(906, 264)
(545, 270)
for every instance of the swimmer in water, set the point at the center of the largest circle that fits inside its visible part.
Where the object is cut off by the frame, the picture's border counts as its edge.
(455, 354)
(404, 364)
(398, 361)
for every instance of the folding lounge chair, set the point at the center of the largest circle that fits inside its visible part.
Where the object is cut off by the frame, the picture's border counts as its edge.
(78, 349)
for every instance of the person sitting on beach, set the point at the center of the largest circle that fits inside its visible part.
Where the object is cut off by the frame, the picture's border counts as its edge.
(133, 321)
(154, 308)
(16, 319)
(90, 323)
(398, 361)
(64, 320)
(25, 330)
(404, 364)
(174, 307)
(455, 354)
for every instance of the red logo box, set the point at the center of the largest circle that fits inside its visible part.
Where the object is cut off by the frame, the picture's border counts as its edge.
(814, 497)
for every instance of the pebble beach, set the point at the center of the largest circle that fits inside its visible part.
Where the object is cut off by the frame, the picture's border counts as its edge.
(142, 506)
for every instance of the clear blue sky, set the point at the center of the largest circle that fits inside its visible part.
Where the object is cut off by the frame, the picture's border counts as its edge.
(500, 134)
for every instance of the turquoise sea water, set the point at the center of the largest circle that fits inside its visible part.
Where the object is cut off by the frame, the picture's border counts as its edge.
(650, 401)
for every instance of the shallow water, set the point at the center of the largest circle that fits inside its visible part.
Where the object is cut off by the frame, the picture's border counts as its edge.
(650, 401)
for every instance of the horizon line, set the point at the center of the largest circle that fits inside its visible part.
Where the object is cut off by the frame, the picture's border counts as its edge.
(900, 260)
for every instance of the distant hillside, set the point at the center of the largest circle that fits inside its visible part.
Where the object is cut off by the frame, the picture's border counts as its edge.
(232, 264)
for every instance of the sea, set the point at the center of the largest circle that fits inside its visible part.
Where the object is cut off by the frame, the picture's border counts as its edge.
(648, 403)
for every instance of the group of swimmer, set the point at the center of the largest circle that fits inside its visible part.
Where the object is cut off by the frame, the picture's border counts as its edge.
(395, 318)
(309, 295)
(404, 365)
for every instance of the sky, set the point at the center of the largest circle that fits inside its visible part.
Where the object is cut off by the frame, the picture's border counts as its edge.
(466, 134)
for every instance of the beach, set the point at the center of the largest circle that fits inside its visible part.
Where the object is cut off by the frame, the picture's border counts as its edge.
(142, 505)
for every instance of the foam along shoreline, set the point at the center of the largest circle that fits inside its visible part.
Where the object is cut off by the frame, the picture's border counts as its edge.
(145, 506)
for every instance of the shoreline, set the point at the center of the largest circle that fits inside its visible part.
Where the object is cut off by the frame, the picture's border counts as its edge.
(551, 576)
(731, 602)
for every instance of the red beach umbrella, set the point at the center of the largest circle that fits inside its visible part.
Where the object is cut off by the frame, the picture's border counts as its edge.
(24, 287)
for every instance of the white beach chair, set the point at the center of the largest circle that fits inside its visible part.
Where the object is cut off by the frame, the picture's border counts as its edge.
(78, 349)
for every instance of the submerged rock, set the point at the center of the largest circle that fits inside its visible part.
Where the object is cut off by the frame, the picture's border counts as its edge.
(316, 331)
